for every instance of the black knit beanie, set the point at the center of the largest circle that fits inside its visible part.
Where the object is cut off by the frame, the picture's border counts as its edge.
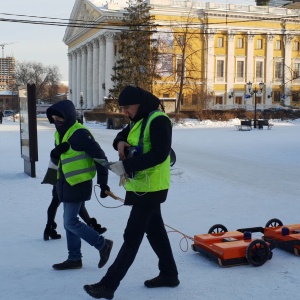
(130, 95)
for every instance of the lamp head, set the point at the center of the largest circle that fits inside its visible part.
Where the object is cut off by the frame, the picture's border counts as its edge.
(249, 85)
(261, 85)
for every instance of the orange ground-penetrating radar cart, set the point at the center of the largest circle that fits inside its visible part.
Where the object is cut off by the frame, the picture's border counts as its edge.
(237, 247)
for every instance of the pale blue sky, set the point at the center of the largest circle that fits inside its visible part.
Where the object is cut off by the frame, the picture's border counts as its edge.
(43, 43)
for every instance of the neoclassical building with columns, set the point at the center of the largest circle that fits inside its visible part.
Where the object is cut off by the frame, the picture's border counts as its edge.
(232, 46)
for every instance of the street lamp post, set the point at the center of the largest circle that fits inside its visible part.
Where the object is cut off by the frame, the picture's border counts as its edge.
(81, 104)
(255, 91)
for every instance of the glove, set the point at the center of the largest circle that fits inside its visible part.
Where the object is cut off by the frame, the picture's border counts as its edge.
(117, 168)
(59, 150)
(123, 179)
(104, 188)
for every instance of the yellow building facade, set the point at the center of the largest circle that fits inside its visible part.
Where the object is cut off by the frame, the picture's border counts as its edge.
(208, 51)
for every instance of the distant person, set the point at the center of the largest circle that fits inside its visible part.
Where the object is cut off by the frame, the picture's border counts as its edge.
(150, 132)
(73, 154)
(1, 116)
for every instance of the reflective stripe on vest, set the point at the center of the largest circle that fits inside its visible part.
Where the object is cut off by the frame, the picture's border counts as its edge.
(153, 179)
(77, 166)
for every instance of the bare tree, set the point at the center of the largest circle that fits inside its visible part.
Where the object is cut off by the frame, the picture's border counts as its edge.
(188, 76)
(46, 78)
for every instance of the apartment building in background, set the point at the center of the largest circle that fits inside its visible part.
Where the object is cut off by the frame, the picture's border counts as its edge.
(7, 72)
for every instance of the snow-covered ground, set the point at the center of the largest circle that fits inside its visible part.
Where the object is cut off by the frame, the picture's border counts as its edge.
(236, 178)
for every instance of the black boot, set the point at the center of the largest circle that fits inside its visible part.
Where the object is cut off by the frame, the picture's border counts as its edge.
(50, 232)
(105, 253)
(98, 290)
(162, 281)
(68, 265)
(97, 227)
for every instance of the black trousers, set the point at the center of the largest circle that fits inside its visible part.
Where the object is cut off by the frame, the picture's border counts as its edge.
(52, 209)
(142, 220)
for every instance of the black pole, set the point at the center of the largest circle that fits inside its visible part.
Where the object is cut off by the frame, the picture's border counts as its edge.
(81, 104)
(255, 91)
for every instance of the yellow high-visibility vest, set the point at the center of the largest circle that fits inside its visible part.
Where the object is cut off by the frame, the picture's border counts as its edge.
(153, 179)
(77, 166)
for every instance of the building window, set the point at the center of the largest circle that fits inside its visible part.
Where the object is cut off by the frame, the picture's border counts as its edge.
(296, 71)
(220, 42)
(180, 40)
(238, 100)
(296, 97)
(259, 67)
(278, 45)
(182, 100)
(194, 99)
(258, 99)
(276, 96)
(166, 95)
(219, 100)
(296, 46)
(278, 70)
(220, 70)
(179, 67)
(239, 43)
(240, 69)
(259, 44)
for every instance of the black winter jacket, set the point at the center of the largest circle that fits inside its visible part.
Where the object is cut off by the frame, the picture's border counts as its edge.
(161, 139)
(81, 140)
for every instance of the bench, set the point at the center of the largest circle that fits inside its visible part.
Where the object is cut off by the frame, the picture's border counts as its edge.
(262, 123)
(266, 123)
(115, 122)
(245, 126)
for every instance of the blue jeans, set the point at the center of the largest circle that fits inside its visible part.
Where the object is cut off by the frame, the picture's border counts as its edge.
(77, 230)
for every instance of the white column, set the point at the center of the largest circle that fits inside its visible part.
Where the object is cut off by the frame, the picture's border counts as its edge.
(250, 62)
(287, 67)
(102, 62)
(70, 76)
(109, 61)
(269, 69)
(89, 96)
(210, 61)
(230, 67)
(78, 84)
(74, 78)
(250, 58)
(95, 73)
(83, 83)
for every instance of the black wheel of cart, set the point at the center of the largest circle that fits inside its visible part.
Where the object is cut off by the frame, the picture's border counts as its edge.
(172, 158)
(218, 228)
(274, 223)
(257, 253)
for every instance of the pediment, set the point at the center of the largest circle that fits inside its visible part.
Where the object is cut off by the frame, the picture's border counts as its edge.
(83, 11)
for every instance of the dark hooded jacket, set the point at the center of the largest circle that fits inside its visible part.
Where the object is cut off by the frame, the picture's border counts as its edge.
(161, 139)
(81, 140)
